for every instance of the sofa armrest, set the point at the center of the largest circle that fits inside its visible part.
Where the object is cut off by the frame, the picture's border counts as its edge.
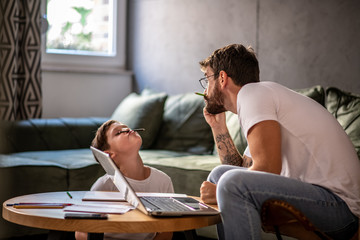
(47, 134)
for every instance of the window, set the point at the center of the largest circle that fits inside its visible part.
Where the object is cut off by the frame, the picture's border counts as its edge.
(84, 34)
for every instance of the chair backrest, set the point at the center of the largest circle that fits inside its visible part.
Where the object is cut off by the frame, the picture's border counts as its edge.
(281, 218)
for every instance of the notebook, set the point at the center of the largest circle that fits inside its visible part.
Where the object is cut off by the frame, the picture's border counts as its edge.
(153, 203)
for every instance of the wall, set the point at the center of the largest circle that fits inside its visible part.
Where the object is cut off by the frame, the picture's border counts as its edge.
(79, 94)
(298, 43)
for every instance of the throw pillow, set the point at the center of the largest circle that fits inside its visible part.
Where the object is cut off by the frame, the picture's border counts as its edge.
(316, 92)
(184, 127)
(142, 111)
(345, 107)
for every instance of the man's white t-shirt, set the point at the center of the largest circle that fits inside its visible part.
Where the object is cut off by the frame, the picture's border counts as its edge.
(314, 146)
(158, 182)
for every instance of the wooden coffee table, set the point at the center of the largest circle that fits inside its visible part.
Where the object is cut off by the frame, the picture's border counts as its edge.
(133, 221)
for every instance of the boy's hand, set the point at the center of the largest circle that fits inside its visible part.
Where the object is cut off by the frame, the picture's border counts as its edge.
(208, 192)
(81, 236)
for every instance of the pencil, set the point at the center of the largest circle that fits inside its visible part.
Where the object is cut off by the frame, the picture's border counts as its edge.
(39, 206)
(136, 130)
(200, 94)
(139, 129)
(69, 194)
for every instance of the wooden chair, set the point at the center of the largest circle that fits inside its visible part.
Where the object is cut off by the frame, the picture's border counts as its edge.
(281, 218)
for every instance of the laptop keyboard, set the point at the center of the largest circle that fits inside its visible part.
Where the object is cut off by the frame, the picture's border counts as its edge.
(164, 204)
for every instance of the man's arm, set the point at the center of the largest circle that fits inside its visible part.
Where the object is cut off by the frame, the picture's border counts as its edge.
(264, 140)
(265, 143)
(228, 153)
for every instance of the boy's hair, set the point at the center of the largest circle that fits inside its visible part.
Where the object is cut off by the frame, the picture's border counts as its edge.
(237, 61)
(100, 139)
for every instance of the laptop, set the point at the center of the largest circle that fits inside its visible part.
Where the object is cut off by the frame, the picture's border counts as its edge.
(152, 204)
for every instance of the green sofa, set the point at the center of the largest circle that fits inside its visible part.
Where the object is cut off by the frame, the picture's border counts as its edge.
(42, 155)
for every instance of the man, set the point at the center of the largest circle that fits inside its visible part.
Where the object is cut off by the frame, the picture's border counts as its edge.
(296, 152)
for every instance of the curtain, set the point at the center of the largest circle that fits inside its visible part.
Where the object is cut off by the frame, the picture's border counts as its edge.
(20, 59)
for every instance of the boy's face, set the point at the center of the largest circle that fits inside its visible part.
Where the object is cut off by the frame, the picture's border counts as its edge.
(123, 142)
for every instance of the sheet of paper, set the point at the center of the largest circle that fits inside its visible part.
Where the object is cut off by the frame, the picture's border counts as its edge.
(104, 196)
(118, 208)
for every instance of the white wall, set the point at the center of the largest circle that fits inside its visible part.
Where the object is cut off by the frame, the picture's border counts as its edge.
(299, 43)
(69, 94)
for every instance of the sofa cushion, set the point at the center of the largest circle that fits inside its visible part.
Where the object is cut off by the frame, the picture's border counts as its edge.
(47, 134)
(142, 111)
(187, 171)
(67, 159)
(346, 109)
(186, 160)
(184, 127)
(317, 93)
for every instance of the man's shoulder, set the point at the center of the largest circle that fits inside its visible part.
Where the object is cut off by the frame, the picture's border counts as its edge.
(263, 85)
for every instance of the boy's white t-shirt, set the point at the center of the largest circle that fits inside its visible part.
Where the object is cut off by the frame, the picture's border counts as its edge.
(314, 146)
(158, 181)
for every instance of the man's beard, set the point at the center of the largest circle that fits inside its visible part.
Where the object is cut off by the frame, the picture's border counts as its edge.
(215, 104)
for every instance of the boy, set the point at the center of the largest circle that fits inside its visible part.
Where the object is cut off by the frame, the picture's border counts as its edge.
(123, 145)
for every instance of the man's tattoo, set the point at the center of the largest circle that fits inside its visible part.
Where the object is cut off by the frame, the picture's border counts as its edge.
(227, 151)
(247, 162)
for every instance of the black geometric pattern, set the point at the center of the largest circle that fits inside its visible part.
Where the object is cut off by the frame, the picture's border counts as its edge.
(20, 59)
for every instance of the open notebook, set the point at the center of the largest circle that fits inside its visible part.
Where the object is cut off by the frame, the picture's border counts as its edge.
(153, 204)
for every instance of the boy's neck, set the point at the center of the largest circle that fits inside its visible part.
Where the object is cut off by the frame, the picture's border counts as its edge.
(135, 169)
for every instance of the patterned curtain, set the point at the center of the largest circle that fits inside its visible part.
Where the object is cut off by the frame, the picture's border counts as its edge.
(20, 59)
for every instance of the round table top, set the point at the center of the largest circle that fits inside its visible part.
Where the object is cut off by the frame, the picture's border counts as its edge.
(133, 221)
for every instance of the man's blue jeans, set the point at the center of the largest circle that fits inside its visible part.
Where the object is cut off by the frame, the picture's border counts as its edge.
(241, 193)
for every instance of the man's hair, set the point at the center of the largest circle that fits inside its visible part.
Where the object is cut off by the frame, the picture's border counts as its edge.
(239, 63)
(100, 140)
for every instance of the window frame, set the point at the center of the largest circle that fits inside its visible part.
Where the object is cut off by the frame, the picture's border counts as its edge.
(90, 63)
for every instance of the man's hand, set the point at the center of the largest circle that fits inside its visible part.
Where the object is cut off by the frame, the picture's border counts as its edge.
(215, 120)
(208, 192)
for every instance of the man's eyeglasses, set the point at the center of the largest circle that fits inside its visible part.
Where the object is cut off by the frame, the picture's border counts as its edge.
(204, 82)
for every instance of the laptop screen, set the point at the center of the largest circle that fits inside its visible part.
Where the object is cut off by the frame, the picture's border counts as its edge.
(119, 180)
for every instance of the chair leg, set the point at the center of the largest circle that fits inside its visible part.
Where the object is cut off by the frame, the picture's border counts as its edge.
(60, 235)
(95, 236)
(190, 235)
(277, 233)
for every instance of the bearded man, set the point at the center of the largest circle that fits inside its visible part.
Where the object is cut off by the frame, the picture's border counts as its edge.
(297, 151)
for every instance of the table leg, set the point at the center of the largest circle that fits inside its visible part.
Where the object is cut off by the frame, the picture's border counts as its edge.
(190, 234)
(60, 235)
(95, 236)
